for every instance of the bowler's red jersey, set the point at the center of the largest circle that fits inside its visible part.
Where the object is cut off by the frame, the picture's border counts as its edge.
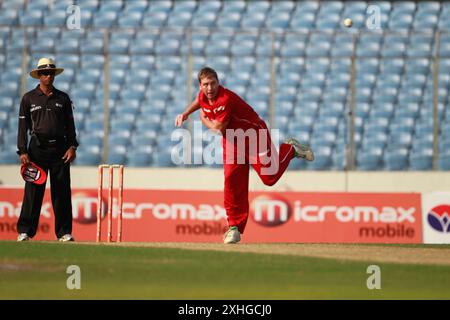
(229, 105)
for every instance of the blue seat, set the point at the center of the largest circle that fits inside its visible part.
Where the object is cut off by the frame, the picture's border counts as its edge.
(254, 20)
(120, 124)
(374, 139)
(205, 20)
(31, 18)
(370, 159)
(8, 157)
(105, 19)
(136, 6)
(160, 6)
(401, 21)
(429, 6)
(279, 21)
(323, 138)
(393, 50)
(393, 66)
(322, 159)
(328, 22)
(419, 50)
(155, 19)
(6, 103)
(181, 19)
(118, 46)
(229, 20)
(210, 6)
(283, 6)
(407, 110)
(8, 17)
(421, 159)
(92, 61)
(138, 158)
(91, 46)
(233, 6)
(307, 6)
(403, 139)
(425, 21)
(163, 158)
(444, 160)
(396, 159)
(69, 62)
(117, 158)
(131, 19)
(55, 19)
(87, 158)
(111, 6)
(368, 50)
(184, 6)
(10, 89)
(303, 21)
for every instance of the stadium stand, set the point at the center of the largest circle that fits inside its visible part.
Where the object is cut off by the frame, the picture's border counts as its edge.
(155, 48)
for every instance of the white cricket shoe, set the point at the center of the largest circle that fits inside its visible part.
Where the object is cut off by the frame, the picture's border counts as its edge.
(301, 150)
(23, 237)
(66, 238)
(232, 235)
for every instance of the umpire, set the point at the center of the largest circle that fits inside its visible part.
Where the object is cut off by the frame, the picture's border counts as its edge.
(47, 113)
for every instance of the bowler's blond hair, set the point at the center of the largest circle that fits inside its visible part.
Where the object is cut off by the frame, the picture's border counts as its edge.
(207, 72)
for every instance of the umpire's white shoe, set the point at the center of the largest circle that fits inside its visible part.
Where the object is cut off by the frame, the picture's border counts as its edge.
(66, 238)
(301, 150)
(23, 237)
(232, 235)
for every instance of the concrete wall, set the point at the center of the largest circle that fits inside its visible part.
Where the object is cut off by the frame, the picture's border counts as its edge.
(212, 179)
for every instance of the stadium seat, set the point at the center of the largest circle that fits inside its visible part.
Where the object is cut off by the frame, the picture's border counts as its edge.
(370, 159)
(138, 158)
(396, 159)
(322, 159)
(154, 19)
(8, 17)
(131, 19)
(160, 6)
(444, 160)
(105, 19)
(8, 157)
(87, 158)
(31, 18)
(421, 159)
(238, 6)
(55, 18)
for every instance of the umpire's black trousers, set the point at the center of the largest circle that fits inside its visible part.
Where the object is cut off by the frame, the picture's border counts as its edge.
(48, 156)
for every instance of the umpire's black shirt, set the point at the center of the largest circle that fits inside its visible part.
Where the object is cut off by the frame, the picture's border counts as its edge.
(50, 117)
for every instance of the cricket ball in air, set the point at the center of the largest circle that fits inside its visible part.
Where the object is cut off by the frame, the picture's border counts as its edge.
(348, 22)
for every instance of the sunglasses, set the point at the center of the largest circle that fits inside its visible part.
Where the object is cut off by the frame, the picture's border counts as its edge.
(46, 73)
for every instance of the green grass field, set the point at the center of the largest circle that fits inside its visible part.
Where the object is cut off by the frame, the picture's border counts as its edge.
(37, 270)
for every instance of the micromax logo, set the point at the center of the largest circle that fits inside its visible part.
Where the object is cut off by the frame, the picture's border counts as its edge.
(270, 210)
(386, 214)
(84, 207)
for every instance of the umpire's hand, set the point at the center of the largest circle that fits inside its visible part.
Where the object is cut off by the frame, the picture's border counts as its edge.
(70, 155)
(24, 158)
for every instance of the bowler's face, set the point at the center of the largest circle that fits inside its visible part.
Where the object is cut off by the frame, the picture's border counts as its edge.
(209, 86)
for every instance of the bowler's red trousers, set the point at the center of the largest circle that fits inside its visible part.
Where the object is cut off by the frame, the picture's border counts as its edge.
(261, 154)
